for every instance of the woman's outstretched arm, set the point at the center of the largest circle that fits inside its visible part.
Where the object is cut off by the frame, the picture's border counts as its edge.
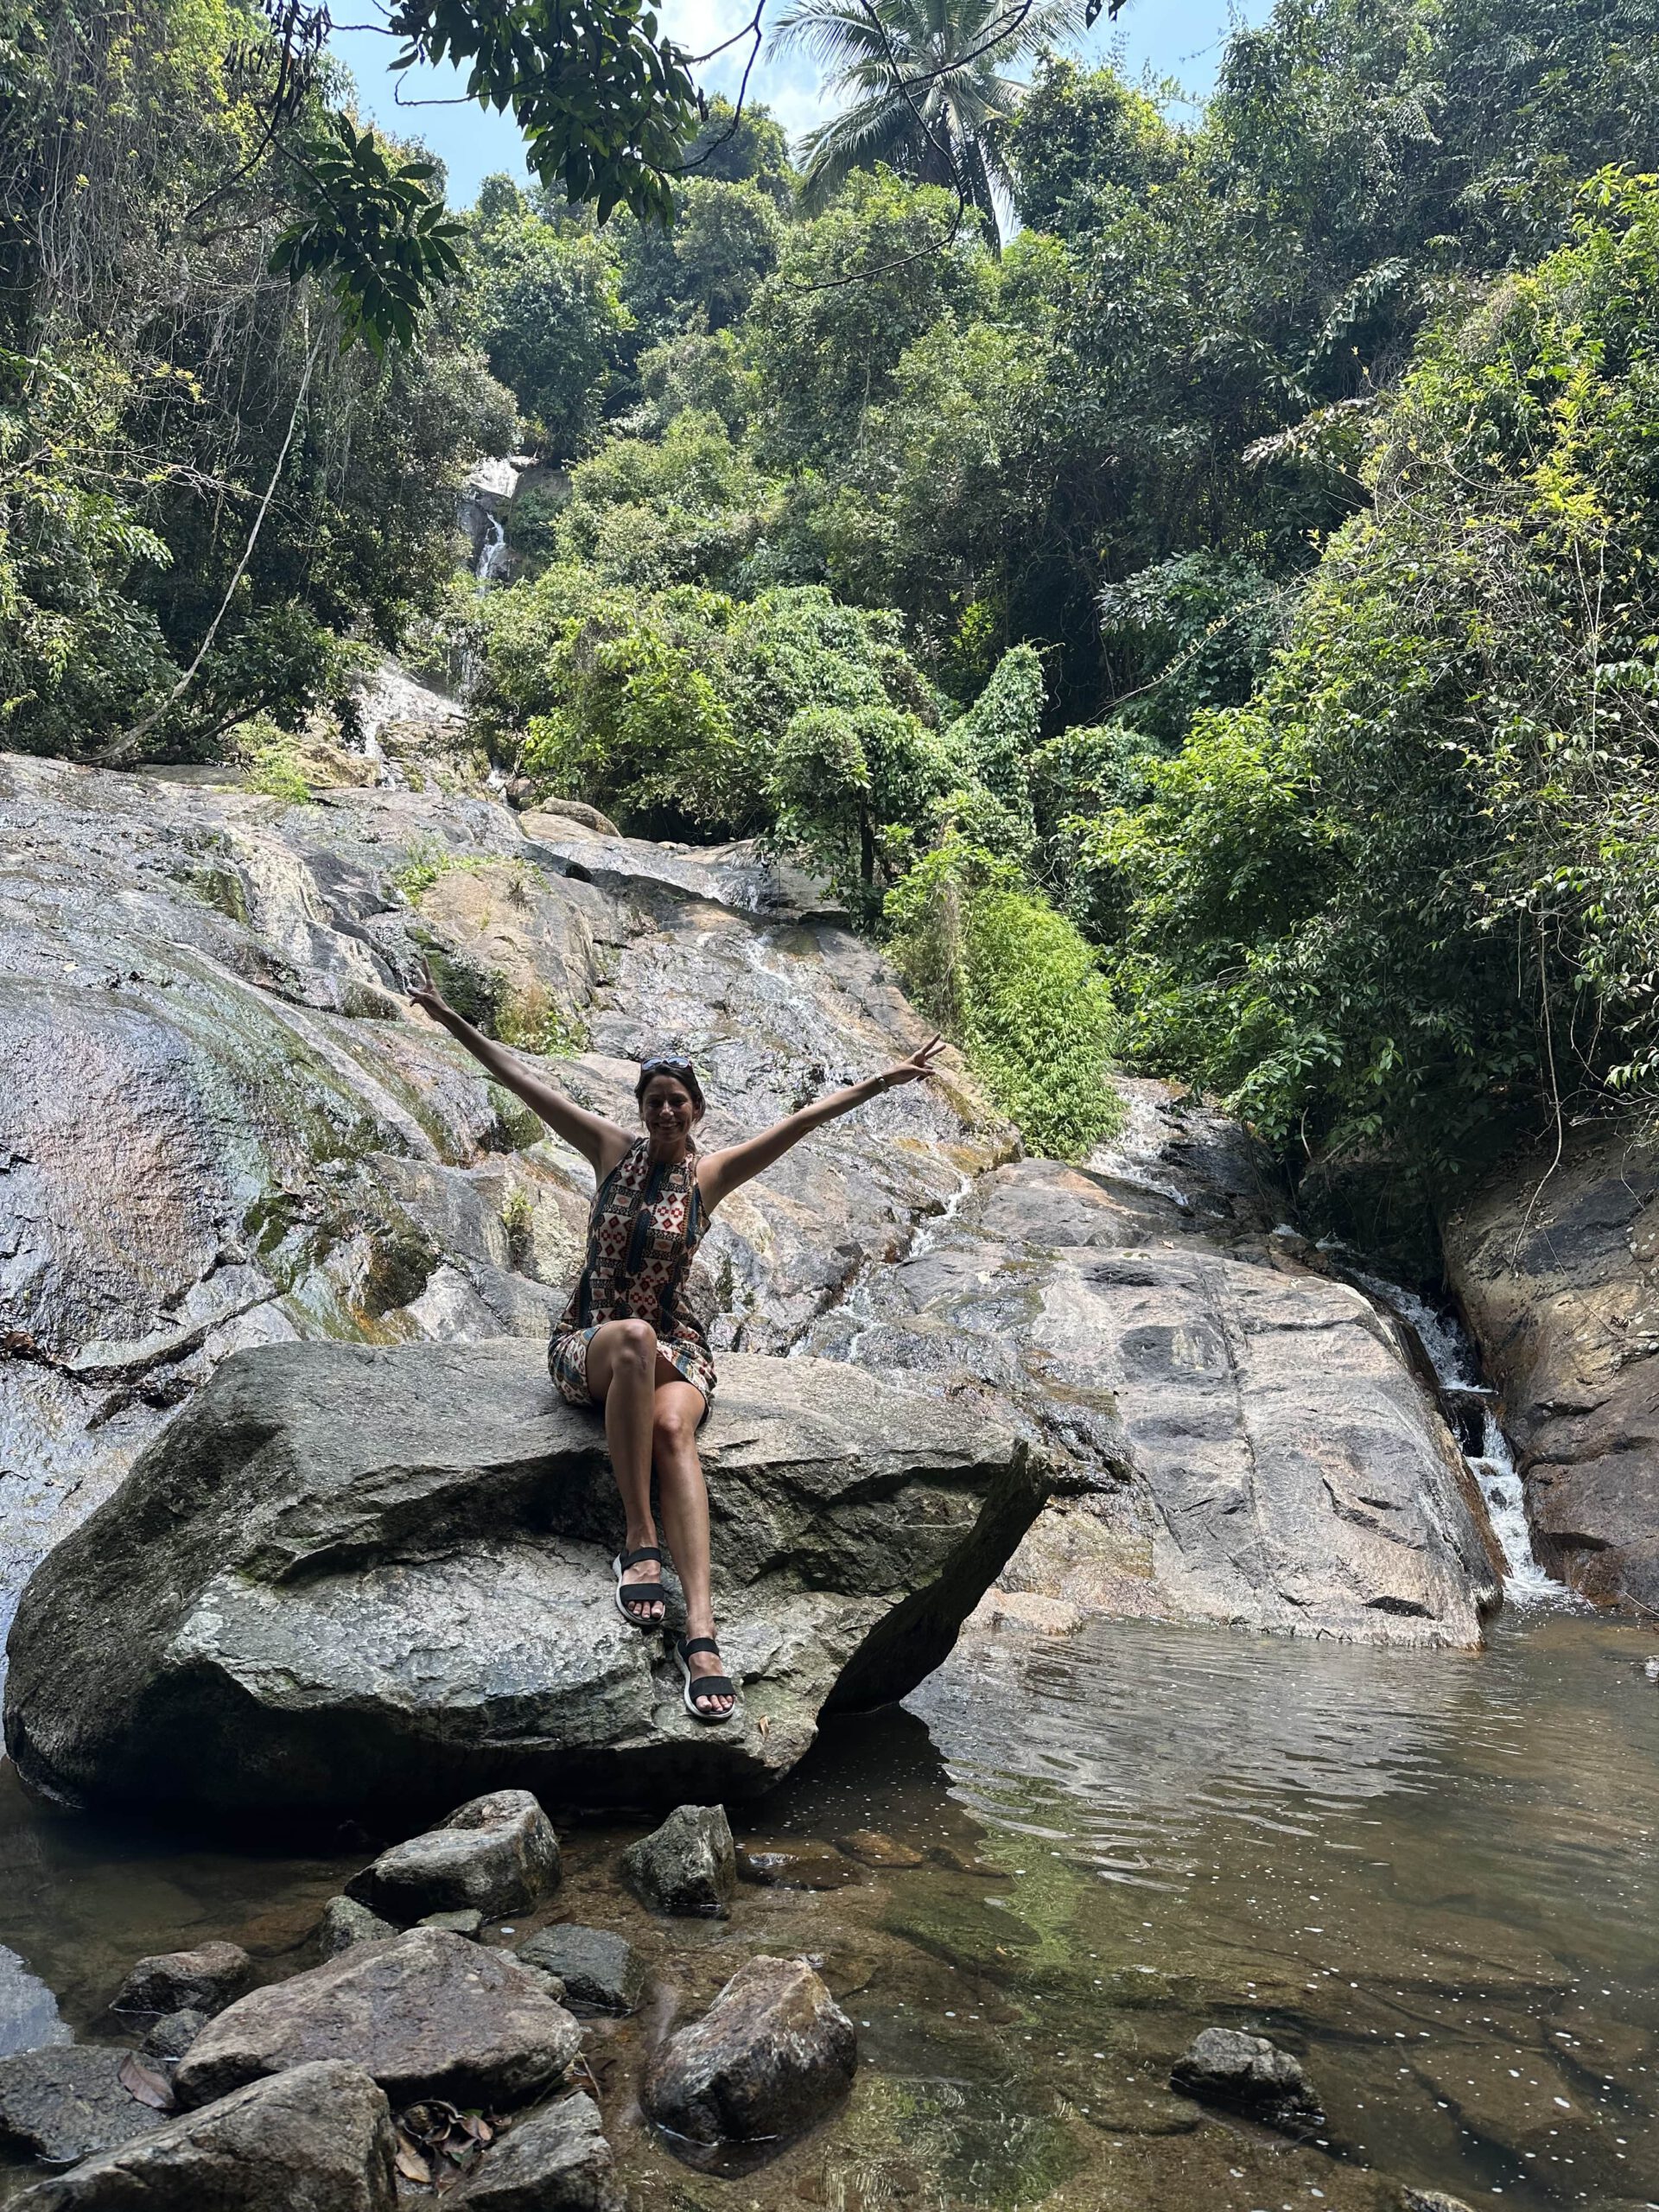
(601, 1143)
(719, 1173)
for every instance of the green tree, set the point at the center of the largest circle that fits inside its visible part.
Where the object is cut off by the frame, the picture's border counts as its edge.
(929, 98)
(548, 310)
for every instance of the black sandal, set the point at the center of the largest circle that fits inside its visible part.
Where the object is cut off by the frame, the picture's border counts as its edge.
(703, 1685)
(642, 1594)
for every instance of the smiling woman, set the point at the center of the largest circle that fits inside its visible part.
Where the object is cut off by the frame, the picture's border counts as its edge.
(628, 1342)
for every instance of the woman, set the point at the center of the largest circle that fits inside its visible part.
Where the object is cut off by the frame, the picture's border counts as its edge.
(629, 1341)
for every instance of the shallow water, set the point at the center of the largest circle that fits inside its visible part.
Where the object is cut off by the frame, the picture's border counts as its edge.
(1431, 1874)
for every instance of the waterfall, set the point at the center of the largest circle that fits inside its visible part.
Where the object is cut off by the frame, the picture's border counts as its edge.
(491, 563)
(1453, 1359)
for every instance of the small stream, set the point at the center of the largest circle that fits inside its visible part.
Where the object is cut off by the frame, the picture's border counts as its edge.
(1432, 1874)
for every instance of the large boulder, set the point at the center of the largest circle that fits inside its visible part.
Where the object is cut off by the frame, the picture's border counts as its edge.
(1556, 1266)
(317, 2138)
(492, 1855)
(1252, 1446)
(347, 1576)
(427, 2014)
(773, 2053)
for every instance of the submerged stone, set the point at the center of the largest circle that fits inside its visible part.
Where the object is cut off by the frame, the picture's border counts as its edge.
(1226, 2066)
(427, 2014)
(772, 2054)
(496, 1854)
(688, 1865)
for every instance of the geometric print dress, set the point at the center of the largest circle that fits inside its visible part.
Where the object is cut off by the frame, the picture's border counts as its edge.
(644, 1224)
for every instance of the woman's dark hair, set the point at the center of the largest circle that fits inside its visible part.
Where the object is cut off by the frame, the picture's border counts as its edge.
(679, 1068)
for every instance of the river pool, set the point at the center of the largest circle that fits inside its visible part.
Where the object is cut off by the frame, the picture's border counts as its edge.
(1432, 1874)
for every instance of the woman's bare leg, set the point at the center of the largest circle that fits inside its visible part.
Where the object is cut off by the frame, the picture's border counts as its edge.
(621, 1365)
(685, 1513)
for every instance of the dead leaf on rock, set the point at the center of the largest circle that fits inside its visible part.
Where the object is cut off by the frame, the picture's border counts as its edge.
(143, 2082)
(763, 1725)
(411, 2163)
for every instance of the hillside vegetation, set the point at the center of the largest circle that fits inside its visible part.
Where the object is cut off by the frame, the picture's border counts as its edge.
(1209, 620)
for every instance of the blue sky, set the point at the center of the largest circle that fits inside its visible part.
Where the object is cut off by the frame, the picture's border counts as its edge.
(1173, 38)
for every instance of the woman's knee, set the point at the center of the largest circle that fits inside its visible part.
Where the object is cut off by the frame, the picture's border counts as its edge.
(672, 1430)
(636, 1343)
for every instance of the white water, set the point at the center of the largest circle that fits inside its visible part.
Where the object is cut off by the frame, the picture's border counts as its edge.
(1452, 1357)
(492, 563)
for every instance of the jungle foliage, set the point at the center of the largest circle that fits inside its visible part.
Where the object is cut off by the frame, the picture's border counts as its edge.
(1210, 619)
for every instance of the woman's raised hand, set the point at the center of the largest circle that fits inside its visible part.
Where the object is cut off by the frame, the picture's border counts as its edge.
(427, 995)
(919, 1063)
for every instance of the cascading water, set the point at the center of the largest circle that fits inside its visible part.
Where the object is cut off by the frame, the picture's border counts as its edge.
(1452, 1357)
(491, 563)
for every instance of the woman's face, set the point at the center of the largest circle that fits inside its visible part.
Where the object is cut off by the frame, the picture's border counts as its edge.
(668, 1109)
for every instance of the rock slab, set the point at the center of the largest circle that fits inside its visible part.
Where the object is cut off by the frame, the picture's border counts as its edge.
(773, 2053)
(357, 1578)
(318, 2139)
(1557, 1271)
(554, 2160)
(205, 1980)
(596, 1966)
(1225, 2066)
(493, 1855)
(688, 1866)
(64, 2103)
(427, 2014)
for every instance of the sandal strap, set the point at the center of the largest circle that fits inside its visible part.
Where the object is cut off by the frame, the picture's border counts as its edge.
(698, 1643)
(641, 1594)
(710, 1686)
(646, 1551)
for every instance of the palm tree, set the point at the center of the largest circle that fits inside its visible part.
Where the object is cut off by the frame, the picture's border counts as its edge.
(924, 83)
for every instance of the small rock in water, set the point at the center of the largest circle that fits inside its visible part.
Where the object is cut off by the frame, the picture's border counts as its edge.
(1650, 1667)
(772, 2054)
(206, 1980)
(171, 2035)
(1430, 2200)
(493, 1855)
(319, 2137)
(29, 2011)
(688, 1865)
(1224, 2066)
(64, 2104)
(469, 1923)
(427, 2014)
(594, 1966)
(344, 1922)
(554, 2160)
(794, 1866)
(875, 1848)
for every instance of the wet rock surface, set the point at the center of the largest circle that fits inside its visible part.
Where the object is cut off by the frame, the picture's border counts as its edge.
(1227, 2066)
(347, 1576)
(205, 1980)
(427, 2014)
(1253, 1449)
(1556, 1267)
(64, 2103)
(688, 1866)
(495, 1854)
(772, 2054)
(597, 1966)
(554, 2160)
(318, 2139)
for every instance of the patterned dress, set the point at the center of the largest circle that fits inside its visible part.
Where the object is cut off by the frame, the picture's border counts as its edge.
(644, 1226)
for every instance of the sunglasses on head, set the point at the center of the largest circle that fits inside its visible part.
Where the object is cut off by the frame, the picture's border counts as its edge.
(665, 1063)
